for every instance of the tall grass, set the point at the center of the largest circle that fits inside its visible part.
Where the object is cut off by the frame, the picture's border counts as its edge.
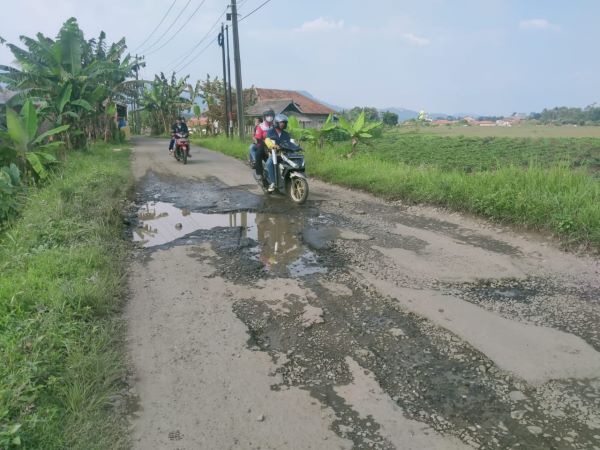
(552, 197)
(471, 153)
(62, 268)
(557, 199)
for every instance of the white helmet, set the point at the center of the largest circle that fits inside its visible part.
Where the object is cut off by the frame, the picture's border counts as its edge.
(281, 118)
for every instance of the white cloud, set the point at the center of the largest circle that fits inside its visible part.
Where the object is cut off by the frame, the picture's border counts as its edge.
(416, 40)
(321, 24)
(538, 24)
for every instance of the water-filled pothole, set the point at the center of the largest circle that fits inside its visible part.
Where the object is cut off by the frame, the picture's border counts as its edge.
(161, 223)
(278, 246)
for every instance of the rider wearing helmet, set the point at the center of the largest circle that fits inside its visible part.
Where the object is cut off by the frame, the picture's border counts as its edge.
(181, 128)
(257, 150)
(276, 136)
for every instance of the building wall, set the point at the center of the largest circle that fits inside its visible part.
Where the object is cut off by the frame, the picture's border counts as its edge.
(316, 120)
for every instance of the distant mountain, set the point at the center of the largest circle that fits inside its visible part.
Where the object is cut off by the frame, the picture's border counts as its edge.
(329, 105)
(407, 114)
(435, 116)
(403, 113)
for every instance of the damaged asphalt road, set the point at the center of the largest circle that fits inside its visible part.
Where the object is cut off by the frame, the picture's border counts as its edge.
(349, 322)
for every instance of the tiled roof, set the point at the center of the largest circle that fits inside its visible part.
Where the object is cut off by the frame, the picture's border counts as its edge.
(278, 106)
(304, 103)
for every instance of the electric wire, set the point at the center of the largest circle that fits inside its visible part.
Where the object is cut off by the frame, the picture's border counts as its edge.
(157, 27)
(197, 56)
(180, 28)
(151, 48)
(198, 44)
(254, 10)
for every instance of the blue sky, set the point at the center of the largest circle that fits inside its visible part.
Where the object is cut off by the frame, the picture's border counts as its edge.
(452, 56)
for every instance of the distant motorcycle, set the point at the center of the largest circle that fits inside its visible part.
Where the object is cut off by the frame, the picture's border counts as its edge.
(182, 147)
(290, 178)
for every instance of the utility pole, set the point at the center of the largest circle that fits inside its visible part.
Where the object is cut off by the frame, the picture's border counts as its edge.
(221, 41)
(238, 69)
(136, 105)
(229, 99)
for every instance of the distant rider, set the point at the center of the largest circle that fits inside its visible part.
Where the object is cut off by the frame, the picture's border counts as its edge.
(275, 137)
(180, 128)
(257, 150)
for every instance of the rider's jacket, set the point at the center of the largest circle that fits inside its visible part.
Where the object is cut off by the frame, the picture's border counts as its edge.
(274, 138)
(180, 128)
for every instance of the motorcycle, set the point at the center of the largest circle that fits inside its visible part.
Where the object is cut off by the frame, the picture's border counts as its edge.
(182, 147)
(290, 177)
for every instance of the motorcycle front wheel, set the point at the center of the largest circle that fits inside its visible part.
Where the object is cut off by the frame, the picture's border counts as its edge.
(298, 190)
(185, 155)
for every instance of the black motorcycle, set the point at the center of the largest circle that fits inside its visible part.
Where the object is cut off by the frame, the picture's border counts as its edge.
(290, 178)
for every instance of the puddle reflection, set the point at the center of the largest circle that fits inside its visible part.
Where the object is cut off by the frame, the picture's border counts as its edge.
(161, 223)
(279, 246)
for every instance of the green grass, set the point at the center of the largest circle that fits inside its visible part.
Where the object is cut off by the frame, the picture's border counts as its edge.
(525, 129)
(547, 195)
(230, 147)
(472, 153)
(62, 266)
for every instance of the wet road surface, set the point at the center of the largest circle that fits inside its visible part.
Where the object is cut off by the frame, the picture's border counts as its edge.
(349, 322)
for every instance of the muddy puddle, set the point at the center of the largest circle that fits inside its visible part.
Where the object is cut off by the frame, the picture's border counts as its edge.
(275, 240)
(162, 223)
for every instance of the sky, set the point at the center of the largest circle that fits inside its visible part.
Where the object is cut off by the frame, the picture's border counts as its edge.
(487, 57)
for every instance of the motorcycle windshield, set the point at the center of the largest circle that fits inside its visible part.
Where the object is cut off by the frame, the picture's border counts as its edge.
(290, 146)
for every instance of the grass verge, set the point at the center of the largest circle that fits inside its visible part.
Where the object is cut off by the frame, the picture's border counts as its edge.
(558, 198)
(63, 276)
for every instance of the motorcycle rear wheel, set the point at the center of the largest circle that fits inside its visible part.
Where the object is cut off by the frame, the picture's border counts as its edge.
(298, 190)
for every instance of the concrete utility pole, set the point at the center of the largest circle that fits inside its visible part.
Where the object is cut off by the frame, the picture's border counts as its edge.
(136, 115)
(229, 99)
(225, 97)
(238, 69)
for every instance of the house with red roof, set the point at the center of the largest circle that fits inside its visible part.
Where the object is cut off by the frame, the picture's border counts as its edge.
(309, 112)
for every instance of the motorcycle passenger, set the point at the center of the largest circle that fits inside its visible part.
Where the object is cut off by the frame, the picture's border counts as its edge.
(276, 136)
(252, 148)
(180, 128)
(258, 155)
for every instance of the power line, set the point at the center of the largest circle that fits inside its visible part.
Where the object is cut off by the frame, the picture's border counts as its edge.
(199, 43)
(169, 27)
(180, 28)
(197, 56)
(157, 26)
(254, 10)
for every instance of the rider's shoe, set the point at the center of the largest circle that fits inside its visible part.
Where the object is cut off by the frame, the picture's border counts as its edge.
(271, 187)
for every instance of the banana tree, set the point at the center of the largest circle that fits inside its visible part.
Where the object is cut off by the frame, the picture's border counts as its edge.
(71, 77)
(22, 137)
(10, 187)
(164, 101)
(359, 131)
(312, 135)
